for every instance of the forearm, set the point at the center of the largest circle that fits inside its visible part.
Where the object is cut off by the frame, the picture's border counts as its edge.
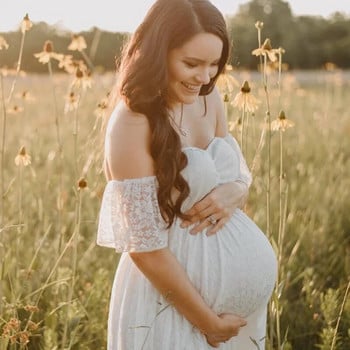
(171, 280)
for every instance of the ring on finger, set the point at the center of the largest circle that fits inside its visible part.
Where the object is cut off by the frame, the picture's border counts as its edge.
(211, 219)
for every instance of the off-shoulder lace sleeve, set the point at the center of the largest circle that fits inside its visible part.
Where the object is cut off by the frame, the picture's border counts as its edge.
(130, 219)
(244, 173)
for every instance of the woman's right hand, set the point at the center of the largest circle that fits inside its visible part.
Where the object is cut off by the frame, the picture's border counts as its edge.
(229, 327)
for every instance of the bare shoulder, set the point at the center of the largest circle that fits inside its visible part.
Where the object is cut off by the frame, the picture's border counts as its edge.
(217, 105)
(127, 145)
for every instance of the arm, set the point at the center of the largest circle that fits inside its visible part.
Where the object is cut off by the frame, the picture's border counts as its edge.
(222, 201)
(127, 157)
(171, 280)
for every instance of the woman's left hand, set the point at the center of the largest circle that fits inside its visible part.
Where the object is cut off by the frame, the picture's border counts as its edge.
(216, 208)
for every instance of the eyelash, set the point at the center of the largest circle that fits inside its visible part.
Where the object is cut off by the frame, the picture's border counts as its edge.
(190, 65)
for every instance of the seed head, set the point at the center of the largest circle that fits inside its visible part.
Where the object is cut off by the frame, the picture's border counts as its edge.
(79, 73)
(267, 44)
(259, 25)
(281, 51)
(31, 308)
(281, 123)
(23, 337)
(245, 87)
(48, 46)
(82, 183)
(32, 326)
(26, 24)
(14, 324)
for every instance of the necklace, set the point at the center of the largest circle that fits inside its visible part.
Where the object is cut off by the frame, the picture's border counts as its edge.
(182, 131)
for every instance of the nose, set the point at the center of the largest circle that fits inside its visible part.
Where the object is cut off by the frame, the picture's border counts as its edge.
(203, 77)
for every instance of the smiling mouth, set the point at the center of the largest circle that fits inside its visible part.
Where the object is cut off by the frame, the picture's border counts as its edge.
(192, 88)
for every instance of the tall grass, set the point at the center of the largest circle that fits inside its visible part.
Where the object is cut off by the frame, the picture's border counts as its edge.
(55, 282)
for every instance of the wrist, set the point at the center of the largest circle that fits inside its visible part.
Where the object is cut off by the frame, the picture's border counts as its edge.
(211, 325)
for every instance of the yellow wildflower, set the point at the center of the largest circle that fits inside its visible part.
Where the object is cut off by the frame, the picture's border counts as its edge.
(281, 123)
(102, 107)
(87, 80)
(26, 24)
(47, 54)
(72, 102)
(70, 66)
(15, 109)
(266, 50)
(78, 43)
(226, 83)
(66, 62)
(244, 100)
(82, 79)
(22, 158)
(25, 96)
(3, 43)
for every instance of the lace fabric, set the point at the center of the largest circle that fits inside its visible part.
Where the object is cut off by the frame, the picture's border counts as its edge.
(130, 219)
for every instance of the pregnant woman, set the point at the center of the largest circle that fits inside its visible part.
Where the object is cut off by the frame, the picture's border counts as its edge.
(196, 272)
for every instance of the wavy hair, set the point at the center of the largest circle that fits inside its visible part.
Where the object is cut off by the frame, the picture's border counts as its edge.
(143, 79)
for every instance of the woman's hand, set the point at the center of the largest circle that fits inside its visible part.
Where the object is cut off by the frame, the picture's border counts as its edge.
(216, 208)
(229, 327)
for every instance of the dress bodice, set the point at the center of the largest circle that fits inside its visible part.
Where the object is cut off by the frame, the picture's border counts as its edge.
(219, 163)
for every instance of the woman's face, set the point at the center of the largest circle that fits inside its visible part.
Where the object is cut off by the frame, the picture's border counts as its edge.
(191, 66)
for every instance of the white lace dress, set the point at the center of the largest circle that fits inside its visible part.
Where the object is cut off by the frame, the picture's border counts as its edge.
(234, 270)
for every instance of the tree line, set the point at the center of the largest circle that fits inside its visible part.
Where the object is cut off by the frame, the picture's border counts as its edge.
(309, 41)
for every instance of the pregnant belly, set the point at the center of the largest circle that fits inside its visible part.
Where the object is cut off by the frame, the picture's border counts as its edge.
(234, 270)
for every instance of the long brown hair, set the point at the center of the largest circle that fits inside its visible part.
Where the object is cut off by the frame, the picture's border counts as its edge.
(143, 80)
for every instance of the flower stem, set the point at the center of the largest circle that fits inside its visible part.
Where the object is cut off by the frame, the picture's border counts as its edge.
(3, 137)
(74, 265)
(60, 156)
(18, 68)
(339, 316)
(75, 136)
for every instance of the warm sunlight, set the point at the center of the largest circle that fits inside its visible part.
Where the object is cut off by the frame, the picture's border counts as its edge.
(122, 15)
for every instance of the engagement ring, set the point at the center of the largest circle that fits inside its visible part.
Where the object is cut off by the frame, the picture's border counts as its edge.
(211, 220)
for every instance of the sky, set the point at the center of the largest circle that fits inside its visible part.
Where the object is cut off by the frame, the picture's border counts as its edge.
(125, 15)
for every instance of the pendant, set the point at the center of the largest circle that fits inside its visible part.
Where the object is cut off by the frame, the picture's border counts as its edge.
(183, 132)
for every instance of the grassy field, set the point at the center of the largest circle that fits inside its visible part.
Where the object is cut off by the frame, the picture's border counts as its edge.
(55, 282)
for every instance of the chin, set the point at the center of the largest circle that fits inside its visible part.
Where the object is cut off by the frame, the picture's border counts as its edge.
(188, 99)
